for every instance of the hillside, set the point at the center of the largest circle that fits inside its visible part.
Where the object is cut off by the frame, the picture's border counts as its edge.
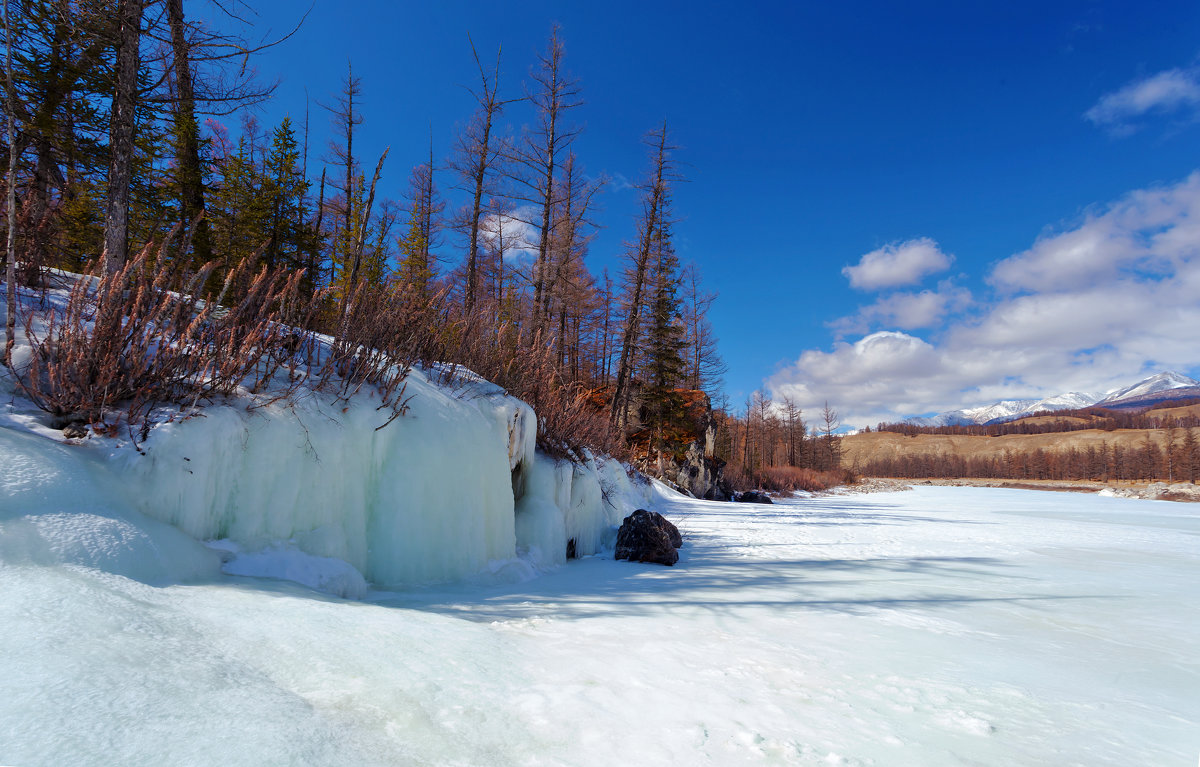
(1120, 454)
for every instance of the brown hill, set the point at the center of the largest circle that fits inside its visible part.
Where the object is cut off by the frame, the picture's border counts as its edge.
(1104, 454)
(858, 450)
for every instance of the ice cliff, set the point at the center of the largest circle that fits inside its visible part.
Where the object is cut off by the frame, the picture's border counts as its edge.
(312, 491)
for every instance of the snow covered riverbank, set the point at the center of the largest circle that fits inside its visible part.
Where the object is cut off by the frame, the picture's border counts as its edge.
(941, 626)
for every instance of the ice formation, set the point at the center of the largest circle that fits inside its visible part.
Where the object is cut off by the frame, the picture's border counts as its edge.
(311, 491)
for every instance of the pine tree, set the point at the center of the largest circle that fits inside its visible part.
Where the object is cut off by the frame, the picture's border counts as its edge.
(665, 342)
(292, 241)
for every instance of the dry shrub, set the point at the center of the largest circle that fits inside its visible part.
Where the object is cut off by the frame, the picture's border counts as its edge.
(382, 331)
(528, 368)
(140, 337)
(786, 479)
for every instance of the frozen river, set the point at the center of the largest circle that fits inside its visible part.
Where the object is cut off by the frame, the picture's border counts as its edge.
(942, 626)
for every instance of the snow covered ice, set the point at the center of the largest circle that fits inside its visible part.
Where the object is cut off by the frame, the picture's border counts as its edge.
(943, 626)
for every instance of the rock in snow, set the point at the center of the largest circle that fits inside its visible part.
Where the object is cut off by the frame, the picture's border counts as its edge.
(647, 536)
(752, 496)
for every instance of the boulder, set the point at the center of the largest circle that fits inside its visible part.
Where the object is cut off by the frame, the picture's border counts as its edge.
(752, 496)
(647, 536)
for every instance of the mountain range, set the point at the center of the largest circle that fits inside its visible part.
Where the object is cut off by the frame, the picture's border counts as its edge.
(1162, 387)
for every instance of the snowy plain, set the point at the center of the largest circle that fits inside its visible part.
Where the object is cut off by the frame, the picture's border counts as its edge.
(942, 626)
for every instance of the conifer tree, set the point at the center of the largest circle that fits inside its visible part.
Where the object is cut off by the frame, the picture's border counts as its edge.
(292, 240)
(417, 267)
(655, 193)
(664, 364)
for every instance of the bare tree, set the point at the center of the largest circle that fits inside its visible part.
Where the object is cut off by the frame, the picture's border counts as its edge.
(345, 118)
(538, 155)
(10, 252)
(476, 155)
(795, 427)
(831, 443)
(705, 368)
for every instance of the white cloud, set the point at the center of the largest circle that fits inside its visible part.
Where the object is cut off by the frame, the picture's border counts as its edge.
(1148, 233)
(897, 264)
(907, 310)
(1173, 90)
(1085, 309)
(513, 231)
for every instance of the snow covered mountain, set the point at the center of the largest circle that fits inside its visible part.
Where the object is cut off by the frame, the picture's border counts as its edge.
(1152, 385)
(1008, 410)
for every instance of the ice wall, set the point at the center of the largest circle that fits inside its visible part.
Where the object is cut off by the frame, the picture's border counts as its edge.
(562, 501)
(428, 498)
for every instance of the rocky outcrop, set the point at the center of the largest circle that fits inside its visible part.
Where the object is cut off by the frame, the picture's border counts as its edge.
(700, 474)
(647, 536)
(682, 453)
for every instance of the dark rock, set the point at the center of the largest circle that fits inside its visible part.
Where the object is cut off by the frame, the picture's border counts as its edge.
(752, 496)
(571, 553)
(75, 430)
(646, 536)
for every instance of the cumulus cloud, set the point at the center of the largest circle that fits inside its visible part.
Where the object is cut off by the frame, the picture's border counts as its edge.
(1085, 309)
(907, 310)
(1172, 91)
(897, 264)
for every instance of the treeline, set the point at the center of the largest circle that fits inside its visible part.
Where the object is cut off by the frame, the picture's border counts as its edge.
(113, 142)
(770, 446)
(1052, 422)
(1177, 460)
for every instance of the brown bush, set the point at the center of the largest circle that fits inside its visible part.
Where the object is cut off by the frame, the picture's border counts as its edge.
(140, 337)
(786, 479)
(528, 368)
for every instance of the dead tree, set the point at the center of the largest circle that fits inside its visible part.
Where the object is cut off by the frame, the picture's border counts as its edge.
(476, 156)
(538, 155)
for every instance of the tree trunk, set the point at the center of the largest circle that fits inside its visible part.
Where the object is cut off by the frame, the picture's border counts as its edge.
(120, 169)
(10, 272)
(187, 138)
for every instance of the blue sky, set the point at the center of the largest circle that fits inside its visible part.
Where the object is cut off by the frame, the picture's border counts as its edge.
(905, 207)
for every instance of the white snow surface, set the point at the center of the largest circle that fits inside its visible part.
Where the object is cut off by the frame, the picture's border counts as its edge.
(943, 626)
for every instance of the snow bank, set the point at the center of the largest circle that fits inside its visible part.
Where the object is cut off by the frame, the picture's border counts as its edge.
(312, 492)
(59, 507)
(285, 562)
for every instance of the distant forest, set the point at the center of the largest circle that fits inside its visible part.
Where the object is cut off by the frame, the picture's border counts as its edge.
(1051, 422)
(1174, 456)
